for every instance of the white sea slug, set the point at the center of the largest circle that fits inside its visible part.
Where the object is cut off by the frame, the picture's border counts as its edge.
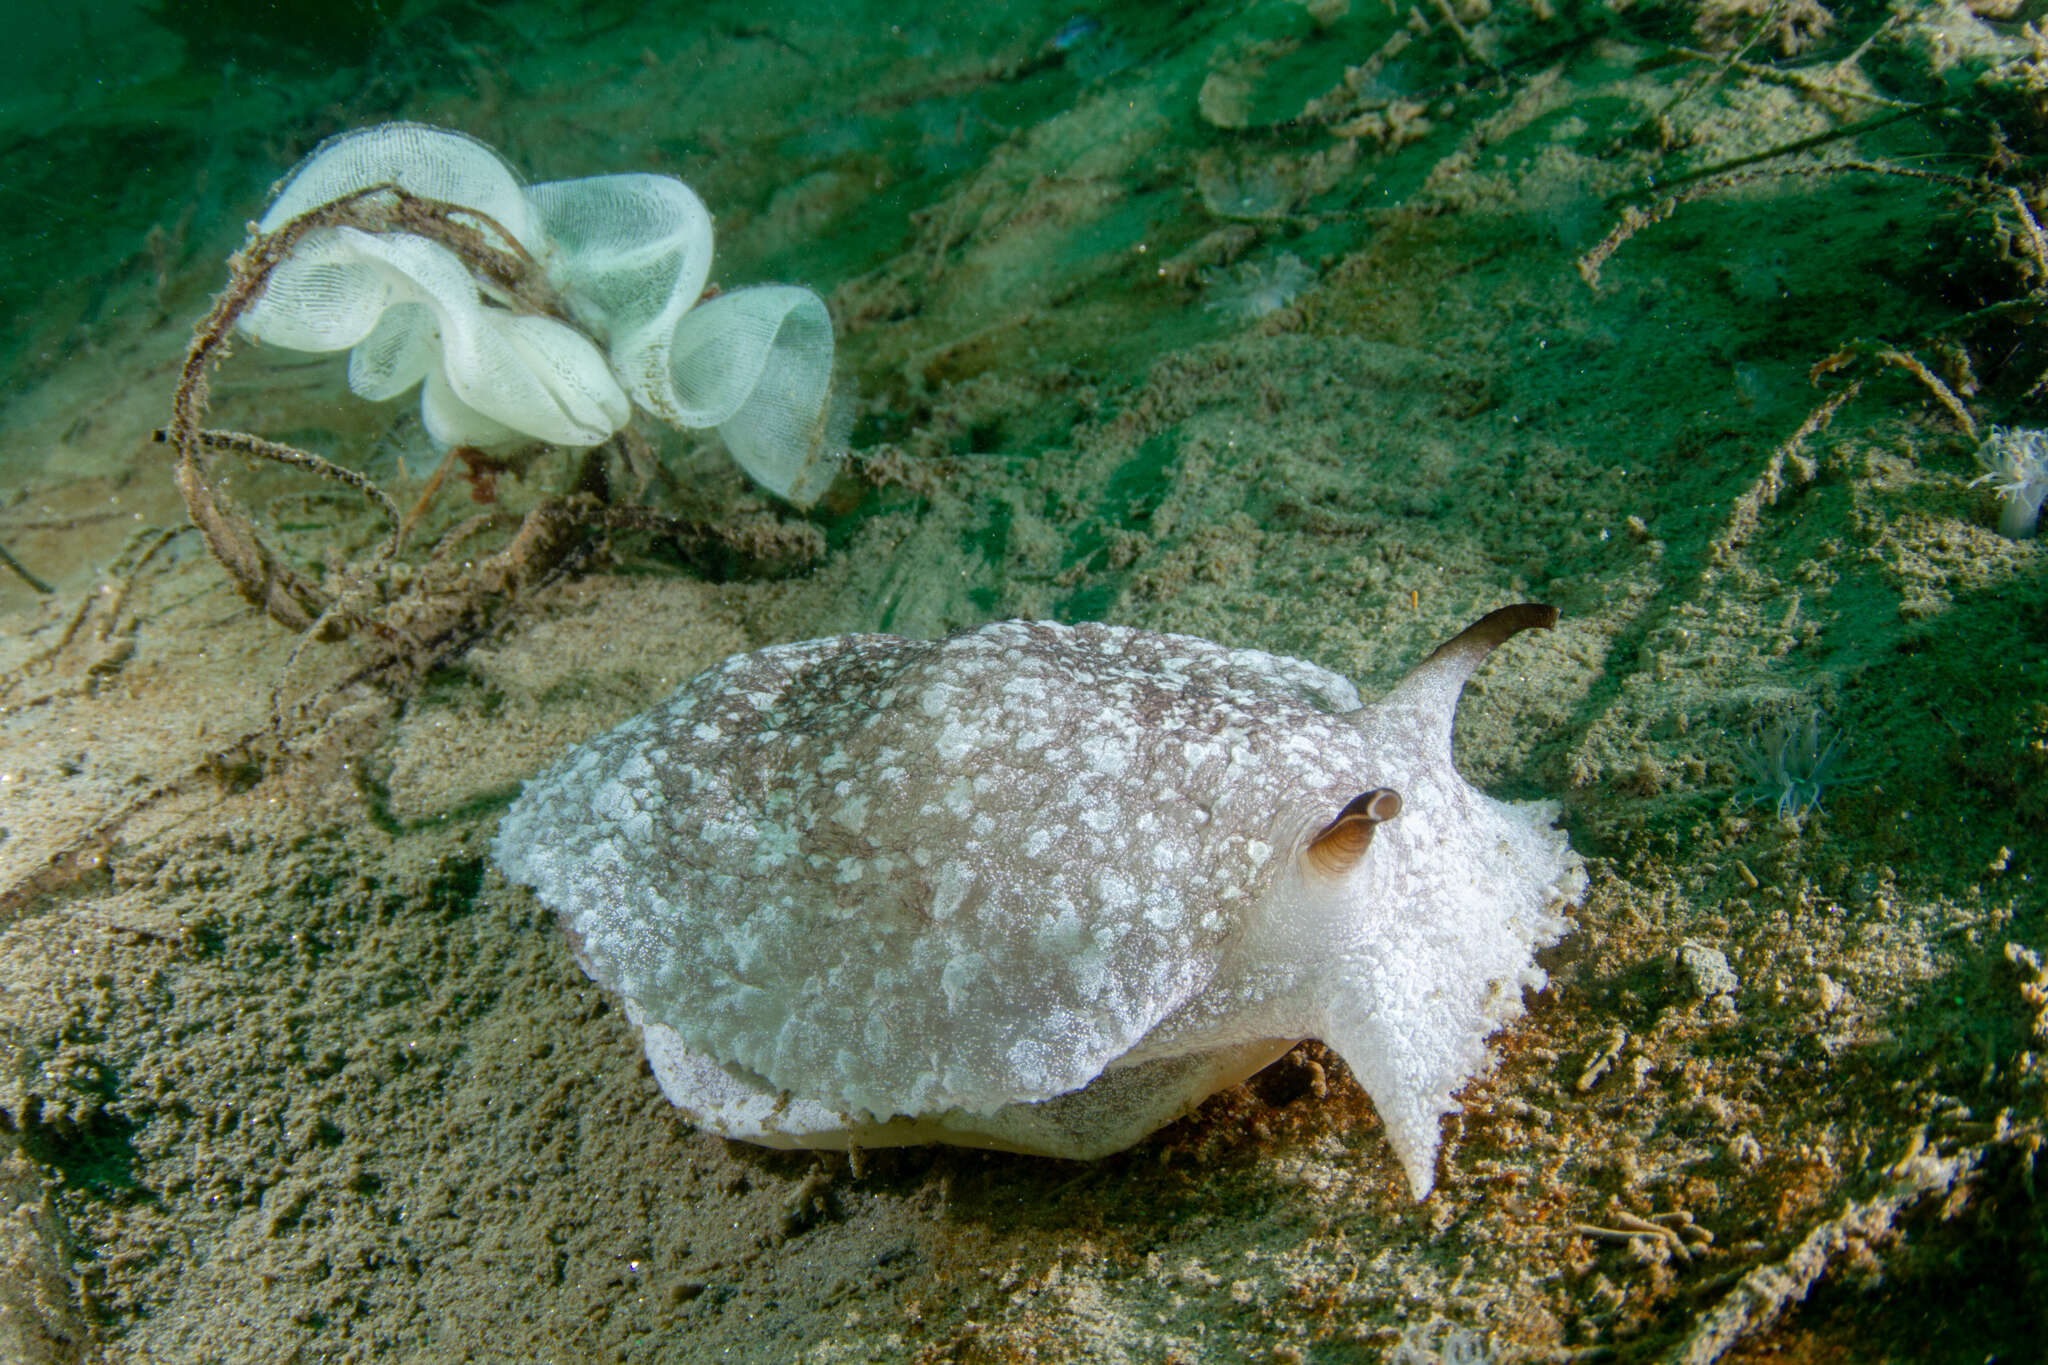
(1044, 888)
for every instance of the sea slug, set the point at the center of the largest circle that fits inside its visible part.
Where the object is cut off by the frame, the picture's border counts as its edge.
(1043, 888)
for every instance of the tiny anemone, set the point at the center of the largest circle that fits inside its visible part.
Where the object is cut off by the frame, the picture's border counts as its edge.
(1253, 289)
(2015, 461)
(1789, 764)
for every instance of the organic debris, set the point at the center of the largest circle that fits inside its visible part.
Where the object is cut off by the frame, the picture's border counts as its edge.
(422, 616)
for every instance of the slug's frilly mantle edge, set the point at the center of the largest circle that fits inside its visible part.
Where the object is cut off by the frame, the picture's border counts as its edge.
(1044, 888)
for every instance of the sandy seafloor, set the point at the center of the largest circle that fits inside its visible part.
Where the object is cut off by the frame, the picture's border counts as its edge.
(291, 1074)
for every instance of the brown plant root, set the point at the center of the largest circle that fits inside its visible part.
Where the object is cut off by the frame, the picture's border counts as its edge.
(1705, 183)
(110, 641)
(9, 562)
(2028, 236)
(287, 596)
(1763, 1295)
(257, 448)
(265, 580)
(1900, 360)
(419, 615)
